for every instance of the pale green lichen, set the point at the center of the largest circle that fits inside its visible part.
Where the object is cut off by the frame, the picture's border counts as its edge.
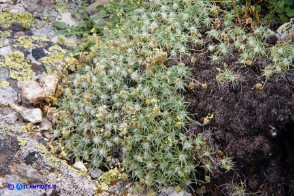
(24, 42)
(61, 6)
(54, 161)
(112, 176)
(108, 178)
(21, 141)
(23, 18)
(56, 56)
(41, 38)
(56, 47)
(18, 67)
(58, 60)
(4, 34)
(4, 83)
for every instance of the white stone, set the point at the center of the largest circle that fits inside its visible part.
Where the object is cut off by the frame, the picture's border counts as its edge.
(80, 166)
(30, 115)
(36, 90)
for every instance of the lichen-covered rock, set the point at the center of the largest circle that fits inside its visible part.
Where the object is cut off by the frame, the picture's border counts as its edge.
(37, 90)
(31, 115)
(286, 31)
(68, 19)
(33, 164)
(8, 17)
(19, 69)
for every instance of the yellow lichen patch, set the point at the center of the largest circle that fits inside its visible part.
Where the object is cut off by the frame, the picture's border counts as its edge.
(101, 186)
(42, 149)
(4, 83)
(57, 58)
(41, 38)
(112, 176)
(30, 127)
(24, 42)
(4, 34)
(61, 8)
(72, 63)
(19, 69)
(60, 164)
(21, 141)
(53, 161)
(53, 58)
(56, 47)
(23, 18)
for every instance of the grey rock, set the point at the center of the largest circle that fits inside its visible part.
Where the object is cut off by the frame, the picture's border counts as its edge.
(4, 73)
(5, 50)
(46, 125)
(92, 7)
(70, 42)
(8, 115)
(68, 19)
(177, 193)
(43, 28)
(7, 95)
(30, 5)
(45, 129)
(95, 173)
(17, 8)
(31, 115)
(44, 169)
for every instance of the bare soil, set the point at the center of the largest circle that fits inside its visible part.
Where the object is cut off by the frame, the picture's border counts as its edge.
(252, 126)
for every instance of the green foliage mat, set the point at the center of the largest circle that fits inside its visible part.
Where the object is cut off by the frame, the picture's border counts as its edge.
(124, 108)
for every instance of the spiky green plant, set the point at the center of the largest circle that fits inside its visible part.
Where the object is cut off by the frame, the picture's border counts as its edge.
(126, 103)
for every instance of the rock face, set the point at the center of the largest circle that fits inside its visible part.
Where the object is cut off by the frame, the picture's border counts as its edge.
(68, 19)
(7, 95)
(33, 164)
(286, 31)
(92, 7)
(30, 115)
(35, 91)
(4, 73)
(8, 115)
(5, 50)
